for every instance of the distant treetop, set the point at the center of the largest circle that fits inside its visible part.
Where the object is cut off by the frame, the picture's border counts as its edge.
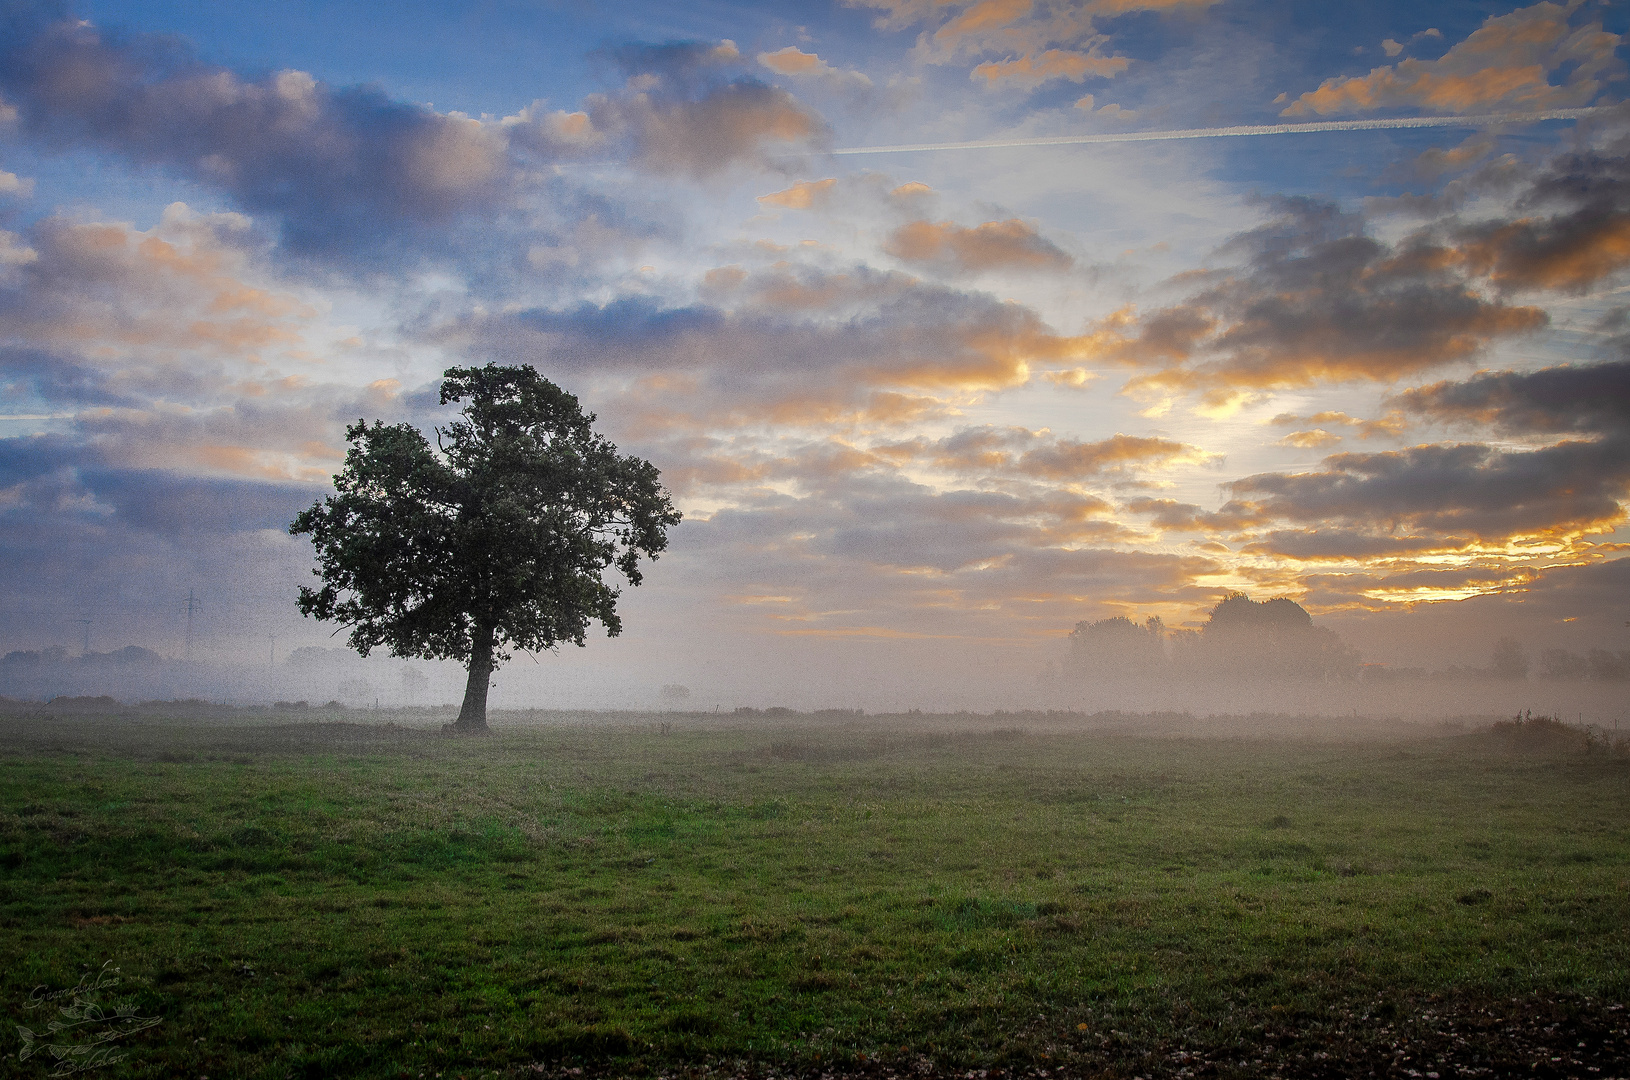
(1239, 612)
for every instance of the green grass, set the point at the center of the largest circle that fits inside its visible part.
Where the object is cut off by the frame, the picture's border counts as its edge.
(336, 900)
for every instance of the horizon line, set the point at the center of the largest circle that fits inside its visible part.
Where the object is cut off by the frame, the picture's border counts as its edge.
(1244, 130)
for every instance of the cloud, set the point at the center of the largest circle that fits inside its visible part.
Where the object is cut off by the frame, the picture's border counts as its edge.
(795, 63)
(994, 245)
(86, 534)
(12, 185)
(1563, 400)
(1389, 425)
(1089, 104)
(913, 189)
(998, 532)
(1506, 63)
(728, 124)
(847, 544)
(1031, 70)
(1315, 439)
(324, 160)
(1021, 453)
(1172, 515)
(57, 479)
(1442, 496)
(975, 18)
(1437, 161)
(343, 167)
(983, 17)
(1478, 509)
(1393, 48)
(110, 290)
(786, 346)
(1584, 242)
(174, 348)
(14, 253)
(801, 196)
(688, 110)
(1316, 300)
(1031, 43)
(171, 503)
(1126, 7)
(1576, 606)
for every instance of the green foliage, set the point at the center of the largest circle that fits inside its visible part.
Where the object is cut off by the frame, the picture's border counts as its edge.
(498, 537)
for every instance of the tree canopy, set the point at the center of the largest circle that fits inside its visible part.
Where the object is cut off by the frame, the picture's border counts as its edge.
(497, 538)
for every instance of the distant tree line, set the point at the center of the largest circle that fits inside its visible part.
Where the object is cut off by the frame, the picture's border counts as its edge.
(1597, 664)
(23, 660)
(131, 671)
(1272, 640)
(1509, 661)
(1276, 641)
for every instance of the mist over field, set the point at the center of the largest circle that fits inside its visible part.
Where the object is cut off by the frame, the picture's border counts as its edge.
(1246, 657)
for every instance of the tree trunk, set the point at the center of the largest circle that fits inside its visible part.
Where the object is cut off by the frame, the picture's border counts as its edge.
(472, 717)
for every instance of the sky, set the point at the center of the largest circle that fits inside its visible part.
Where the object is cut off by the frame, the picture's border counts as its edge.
(923, 409)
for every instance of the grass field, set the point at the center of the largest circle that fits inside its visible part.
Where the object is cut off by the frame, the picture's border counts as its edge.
(794, 894)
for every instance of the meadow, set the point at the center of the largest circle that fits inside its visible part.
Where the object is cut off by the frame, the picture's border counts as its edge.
(277, 896)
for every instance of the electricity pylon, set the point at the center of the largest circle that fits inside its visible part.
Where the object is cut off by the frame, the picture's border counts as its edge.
(192, 606)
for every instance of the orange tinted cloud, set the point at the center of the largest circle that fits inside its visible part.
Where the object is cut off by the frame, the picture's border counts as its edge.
(110, 288)
(1312, 345)
(700, 138)
(1169, 515)
(1563, 254)
(986, 17)
(1444, 496)
(801, 196)
(1569, 231)
(723, 279)
(1317, 301)
(792, 61)
(994, 245)
(1018, 452)
(898, 13)
(1505, 63)
(1028, 43)
(796, 346)
(793, 289)
(1435, 162)
(1392, 424)
(795, 63)
(1034, 69)
(1310, 440)
(1468, 500)
(1070, 459)
(1122, 7)
(983, 17)
(282, 433)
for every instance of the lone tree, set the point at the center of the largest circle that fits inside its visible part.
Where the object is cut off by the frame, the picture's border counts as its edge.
(496, 539)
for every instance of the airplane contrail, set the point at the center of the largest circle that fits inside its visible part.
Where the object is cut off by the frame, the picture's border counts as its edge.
(1394, 124)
